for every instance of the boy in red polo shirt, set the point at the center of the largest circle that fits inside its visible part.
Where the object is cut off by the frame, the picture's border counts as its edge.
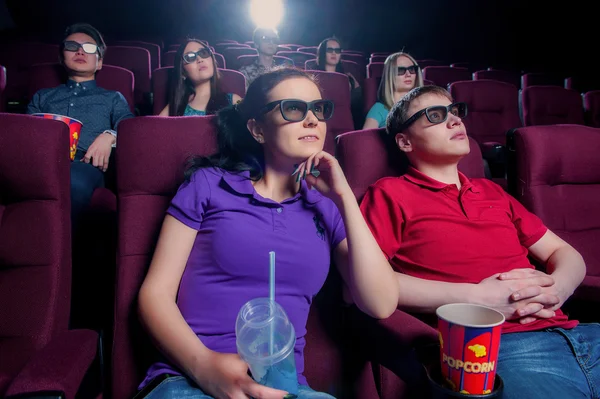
(454, 239)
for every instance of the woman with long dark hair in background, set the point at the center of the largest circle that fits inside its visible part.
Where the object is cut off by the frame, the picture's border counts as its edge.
(329, 58)
(196, 87)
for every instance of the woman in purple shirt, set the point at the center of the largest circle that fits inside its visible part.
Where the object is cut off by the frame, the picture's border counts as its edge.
(256, 195)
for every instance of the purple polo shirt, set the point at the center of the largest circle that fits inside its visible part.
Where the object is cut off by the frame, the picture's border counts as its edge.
(229, 262)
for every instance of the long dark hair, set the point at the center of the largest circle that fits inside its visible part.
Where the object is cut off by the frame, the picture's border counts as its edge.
(238, 150)
(322, 54)
(182, 89)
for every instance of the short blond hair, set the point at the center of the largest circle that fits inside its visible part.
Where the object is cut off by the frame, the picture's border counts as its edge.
(387, 87)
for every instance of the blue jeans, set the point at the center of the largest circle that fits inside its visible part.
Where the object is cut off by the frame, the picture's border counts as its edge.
(552, 363)
(85, 178)
(180, 387)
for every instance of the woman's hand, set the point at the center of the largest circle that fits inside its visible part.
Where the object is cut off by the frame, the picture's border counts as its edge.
(226, 377)
(323, 172)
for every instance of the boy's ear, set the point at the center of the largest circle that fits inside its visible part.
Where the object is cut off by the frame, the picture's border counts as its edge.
(403, 142)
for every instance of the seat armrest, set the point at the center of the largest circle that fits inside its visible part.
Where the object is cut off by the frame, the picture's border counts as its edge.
(59, 368)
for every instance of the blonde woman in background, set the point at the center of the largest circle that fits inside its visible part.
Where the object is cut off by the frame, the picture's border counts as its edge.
(401, 73)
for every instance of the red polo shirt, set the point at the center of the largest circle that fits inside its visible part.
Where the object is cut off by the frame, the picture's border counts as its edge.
(434, 231)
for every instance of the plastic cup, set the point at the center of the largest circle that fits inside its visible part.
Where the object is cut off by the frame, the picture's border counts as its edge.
(469, 345)
(265, 339)
(74, 129)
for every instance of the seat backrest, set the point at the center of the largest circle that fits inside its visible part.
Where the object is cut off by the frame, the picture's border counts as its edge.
(220, 48)
(558, 179)
(370, 87)
(168, 59)
(471, 66)
(499, 75)
(349, 67)
(358, 58)
(582, 84)
(152, 39)
(17, 58)
(591, 101)
(152, 154)
(2, 79)
(467, 65)
(23, 55)
(310, 65)
(550, 105)
(2, 87)
(153, 49)
(354, 52)
(35, 230)
(310, 49)
(220, 61)
(43, 76)
(493, 108)
(137, 60)
(110, 77)
(336, 87)
(357, 70)
(231, 82)
(365, 158)
(298, 57)
(429, 62)
(232, 53)
(293, 47)
(244, 60)
(161, 82)
(444, 75)
(377, 58)
(118, 79)
(375, 70)
(540, 79)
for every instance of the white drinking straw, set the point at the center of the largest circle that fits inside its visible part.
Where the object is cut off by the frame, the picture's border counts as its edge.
(272, 297)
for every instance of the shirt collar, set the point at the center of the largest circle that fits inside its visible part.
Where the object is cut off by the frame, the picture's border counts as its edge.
(89, 84)
(421, 179)
(241, 184)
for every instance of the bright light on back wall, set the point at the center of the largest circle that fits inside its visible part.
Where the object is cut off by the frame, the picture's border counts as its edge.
(266, 13)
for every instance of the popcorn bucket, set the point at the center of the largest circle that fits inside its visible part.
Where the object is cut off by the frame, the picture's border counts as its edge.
(74, 129)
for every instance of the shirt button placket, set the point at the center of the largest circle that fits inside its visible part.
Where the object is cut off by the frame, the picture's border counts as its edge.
(465, 204)
(279, 220)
